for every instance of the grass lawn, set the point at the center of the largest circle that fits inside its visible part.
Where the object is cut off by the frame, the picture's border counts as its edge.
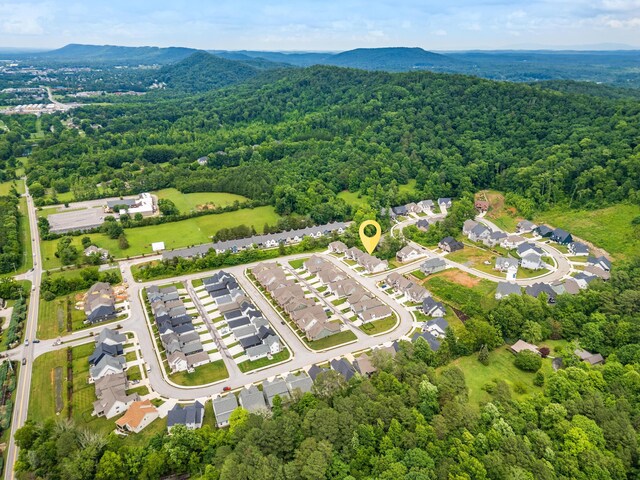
(339, 301)
(504, 217)
(297, 263)
(475, 257)
(193, 231)
(526, 273)
(197, 282)
(418, 274)
(264, 362)
(355, 199)
(204, 374)
(379, 326)
(186, 202)
(42, 402)
(53, 315)
(500, 368)
(466, 292)
(608, 228)
(5, 187)
(409, 188)
(334, 340)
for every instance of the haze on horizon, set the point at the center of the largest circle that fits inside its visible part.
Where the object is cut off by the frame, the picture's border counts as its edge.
(322, 26)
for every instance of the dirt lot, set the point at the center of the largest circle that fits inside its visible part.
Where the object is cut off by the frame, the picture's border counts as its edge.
(460, 277)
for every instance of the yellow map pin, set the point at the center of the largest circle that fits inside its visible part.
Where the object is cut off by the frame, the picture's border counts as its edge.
(370, 243)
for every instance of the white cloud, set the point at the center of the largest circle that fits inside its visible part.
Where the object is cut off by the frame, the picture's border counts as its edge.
(23, 18)
(631, 22)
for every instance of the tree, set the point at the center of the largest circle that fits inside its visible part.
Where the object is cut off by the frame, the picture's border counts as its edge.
(528, 361)
(66, 252)
(123, 243)
(86, 242)
(483, 355)
(167, 207)
(36, 190)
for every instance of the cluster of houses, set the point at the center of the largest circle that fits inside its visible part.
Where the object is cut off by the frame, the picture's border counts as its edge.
(271, 240)
(370, 263)
(362, 303)
(595, 267)
(100, 303)
(310, 317)
(254, 400)
(241, 317)
(178, 334)
(557, 235)
(423, 206)
(107, 372)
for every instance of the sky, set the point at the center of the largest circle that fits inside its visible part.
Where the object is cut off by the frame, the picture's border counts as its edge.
(321, 25)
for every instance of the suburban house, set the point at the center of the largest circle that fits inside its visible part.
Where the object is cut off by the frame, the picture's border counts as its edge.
(428, 337)
(223, 407)
(597, 271)
(93, 250)
(602, 262)
(372, 264)
(100, 303)
(537, 288)
(468, 225)
(528, 248)
(252, 400)
(481, 205)
(479, 233)
(512, 241)
(525, 226)
(298, 384)
(413, 208)
(584, 279)
(444, 203)
(191, 416)
(112, 397)
(426, 206)
(353, 253)
(532, 261)
(494, 239)
(588, 357)
(400, 210)
(433, 265)
(337, 247)
(561, 236)
(273, 388)
(139, 415)
(344, 368)
(450, 244)
(315, 370)
(423, 224)
(521, 346)
(104, 349)
(578, 249)
(110, 337)
(107, 365)
(543, 231)
(507, 264)
(408, 253)
(437, 327)
(507, 288)
(364, 366)
(432, 308)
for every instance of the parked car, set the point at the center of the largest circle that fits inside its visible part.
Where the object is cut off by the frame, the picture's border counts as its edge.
(226, 389)
(36, 340)
(24, 361)
(26, 342)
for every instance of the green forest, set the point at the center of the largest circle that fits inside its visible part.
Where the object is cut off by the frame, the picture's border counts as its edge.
(10, 246)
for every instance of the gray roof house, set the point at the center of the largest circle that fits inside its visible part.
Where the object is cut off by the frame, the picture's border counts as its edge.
(344, 368)
(433, 308)
(110, 337)
(437, 326)
(423, 224)
(543, 230)
(315, 370)
(428, 337)
(190, 416)
(468, 225)
(578, 248)
(433, 265)
(507, 288)
(602, 262)
(444, 201)
(100, 303)
(107, 366)
(450, 244)
(479, 233)
(251, 399)
(537, 288)
(504, 264)
(525, 226)
(561, 236)
(300, 382)
(223, 407)
(277, 386)
(591, 358)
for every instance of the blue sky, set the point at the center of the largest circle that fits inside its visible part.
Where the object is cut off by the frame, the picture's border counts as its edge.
(322, 24)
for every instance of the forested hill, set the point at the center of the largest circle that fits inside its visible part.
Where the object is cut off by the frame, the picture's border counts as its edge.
(390, 59)
(111, 54)
(298, 141)
(202, 71)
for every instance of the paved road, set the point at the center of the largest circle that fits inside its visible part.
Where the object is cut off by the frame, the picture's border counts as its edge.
(24, 377)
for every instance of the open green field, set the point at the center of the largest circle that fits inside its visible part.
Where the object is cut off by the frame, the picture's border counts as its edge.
(193, 231)
(334, 340)
(355, 199)
(204, 374)
(500, 368)
(526, 273)
(503, 216)
(5, 187)
(264, 362)
(379, 326)
(608, 228)
(42, 401)
(461, 290)
(186, 202)
(53, 316)
(409, 188)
